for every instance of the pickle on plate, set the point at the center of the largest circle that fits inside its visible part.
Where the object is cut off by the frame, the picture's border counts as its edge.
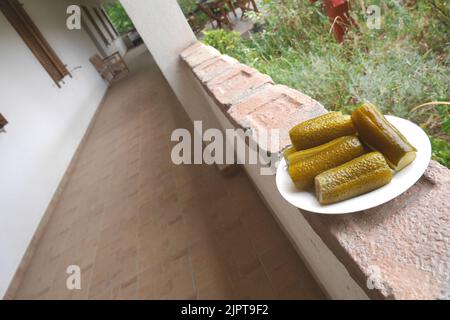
(288, 151)
(297, 156)
(356, 177)
(320, 130)
(325, 157)
(376, 131)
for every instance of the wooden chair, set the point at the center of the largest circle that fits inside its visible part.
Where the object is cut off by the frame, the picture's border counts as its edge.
(246, 5)
(216, 11)
(194, 23)
(232, 7)
(110, 67)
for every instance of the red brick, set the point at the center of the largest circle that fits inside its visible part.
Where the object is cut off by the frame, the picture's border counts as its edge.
(190, 50)
(235, 84)
(214, 67)
(199, 54)
(275, 107)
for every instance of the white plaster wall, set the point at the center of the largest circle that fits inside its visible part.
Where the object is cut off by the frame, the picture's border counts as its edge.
(46, 124)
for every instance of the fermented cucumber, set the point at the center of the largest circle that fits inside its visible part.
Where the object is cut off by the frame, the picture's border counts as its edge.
(288, 152)
(292, 158)
(320, 130)
(380, 135)
(324, 157)
(356, 177)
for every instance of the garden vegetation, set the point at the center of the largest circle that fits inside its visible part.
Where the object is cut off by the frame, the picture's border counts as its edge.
(403, 67)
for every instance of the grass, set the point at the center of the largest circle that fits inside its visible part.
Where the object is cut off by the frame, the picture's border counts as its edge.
(399, 67)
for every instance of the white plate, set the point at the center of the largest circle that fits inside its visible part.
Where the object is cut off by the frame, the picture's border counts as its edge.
(401, 182)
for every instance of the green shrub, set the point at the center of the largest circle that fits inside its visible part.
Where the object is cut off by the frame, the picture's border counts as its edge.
(119, 17)
(227, 42)
(402, 65)
(441, 151)
(188, 6)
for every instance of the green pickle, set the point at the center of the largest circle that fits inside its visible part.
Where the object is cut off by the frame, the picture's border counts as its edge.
(320, 130)
(356, 177)
(295, 157)
(380, 135)
(288, 151)
(323, 158)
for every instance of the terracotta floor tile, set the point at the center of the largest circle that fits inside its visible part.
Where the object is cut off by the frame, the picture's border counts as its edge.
(127, 290)
(255, 286)
(211, 263)
(219, 289)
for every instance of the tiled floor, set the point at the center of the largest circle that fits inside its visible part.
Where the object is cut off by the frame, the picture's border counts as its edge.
(142, 228)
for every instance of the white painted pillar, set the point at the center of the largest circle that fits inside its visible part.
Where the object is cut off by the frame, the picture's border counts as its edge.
(166, 33)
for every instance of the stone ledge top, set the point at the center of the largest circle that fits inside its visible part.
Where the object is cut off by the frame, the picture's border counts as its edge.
(399, 250)
(198, 53)
(405, 243)
(248, 98)
(235, 84)
(274, 107)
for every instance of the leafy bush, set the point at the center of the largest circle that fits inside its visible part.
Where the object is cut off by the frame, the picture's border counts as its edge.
(119, 17)
(400, 66)
(224, 41)
(187, 6)
(441, 151)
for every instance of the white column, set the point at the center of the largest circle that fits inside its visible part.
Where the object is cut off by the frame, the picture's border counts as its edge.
(166, 33)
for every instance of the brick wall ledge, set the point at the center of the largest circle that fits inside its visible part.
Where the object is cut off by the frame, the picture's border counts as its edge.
(404, 243)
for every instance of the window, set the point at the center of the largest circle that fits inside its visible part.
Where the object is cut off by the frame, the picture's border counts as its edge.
(94, 24)
(100, 18)
(34, 39)
(107, 19)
